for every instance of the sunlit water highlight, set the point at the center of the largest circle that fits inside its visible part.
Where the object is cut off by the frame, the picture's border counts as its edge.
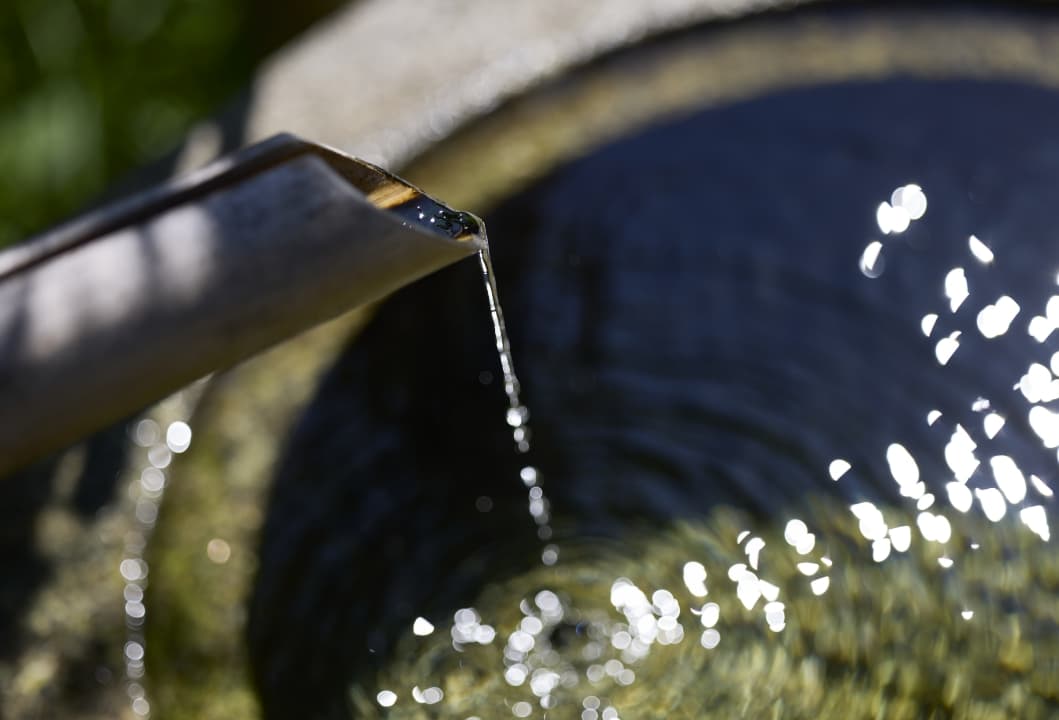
(857, 603)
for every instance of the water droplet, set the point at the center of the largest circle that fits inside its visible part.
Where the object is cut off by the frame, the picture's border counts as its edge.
(517, 416)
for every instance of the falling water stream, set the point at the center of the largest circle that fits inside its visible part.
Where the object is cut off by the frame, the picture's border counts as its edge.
(517, 413)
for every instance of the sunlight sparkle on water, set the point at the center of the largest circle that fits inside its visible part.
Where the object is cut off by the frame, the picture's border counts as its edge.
(872, 524)
(218, 551)
(146, 433)
(903, 466)
(959, 454)
(838, 468)
(1036, 519)
(1009, 478)
(995, 320)
(892, 220)
(753, 550)
(748, 589)
(528, 475)
(467, 628)
(1040, 486)
(775, 615)
(711, 613)
(1046, 424)
(947, 347)
(871, 263)
(991, 424)
(650, 618)
(1040, 328)
(429, 696)
(880, 549)
(806, 544)
(992, 502)
(907, 203)
(695, 578)
(911, 199)
(1051, 310)
(934, 528)
(926, 325)
(960, 497)
(794, 532)
(797, 535)
(901, 538)
(956, 289)
(980, 251)
(178, 436)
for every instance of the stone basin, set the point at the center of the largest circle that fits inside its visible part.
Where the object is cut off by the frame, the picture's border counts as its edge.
(474, 148)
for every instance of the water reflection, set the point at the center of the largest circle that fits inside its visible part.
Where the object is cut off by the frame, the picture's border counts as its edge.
(885, 562)
(566, 649)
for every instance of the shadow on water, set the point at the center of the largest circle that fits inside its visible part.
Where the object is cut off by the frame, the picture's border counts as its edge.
(691, 329)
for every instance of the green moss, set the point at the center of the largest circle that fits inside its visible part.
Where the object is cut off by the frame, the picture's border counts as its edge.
(887, 639)
(196, 658)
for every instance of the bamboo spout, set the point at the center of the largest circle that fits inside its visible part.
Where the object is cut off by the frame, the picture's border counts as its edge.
(117, 309)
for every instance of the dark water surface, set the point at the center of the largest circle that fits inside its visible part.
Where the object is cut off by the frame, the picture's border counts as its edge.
(699, 343)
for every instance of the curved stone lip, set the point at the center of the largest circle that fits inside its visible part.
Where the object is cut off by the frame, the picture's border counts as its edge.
(358, 81)
(502, 152)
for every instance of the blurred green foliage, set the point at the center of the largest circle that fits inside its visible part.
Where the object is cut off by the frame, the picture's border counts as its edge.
(90, 89)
